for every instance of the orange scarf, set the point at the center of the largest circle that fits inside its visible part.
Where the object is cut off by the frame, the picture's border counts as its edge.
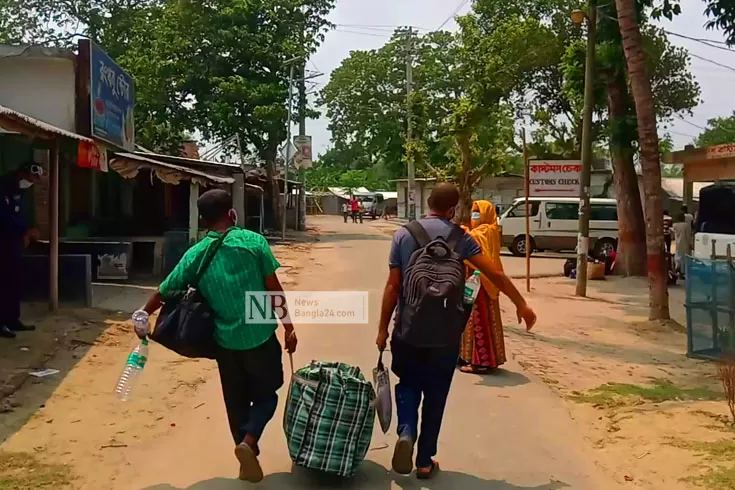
(486, 232)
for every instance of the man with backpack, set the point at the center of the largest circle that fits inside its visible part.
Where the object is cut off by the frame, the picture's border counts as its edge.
(426, 284)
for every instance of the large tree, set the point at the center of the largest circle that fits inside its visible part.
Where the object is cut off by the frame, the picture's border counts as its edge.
(719, 131)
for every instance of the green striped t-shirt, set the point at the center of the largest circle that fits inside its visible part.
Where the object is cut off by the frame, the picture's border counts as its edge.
(240, 265)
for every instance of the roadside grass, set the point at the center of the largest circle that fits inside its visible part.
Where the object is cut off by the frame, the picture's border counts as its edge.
(23, 471)
(612, 395)
(721, 454)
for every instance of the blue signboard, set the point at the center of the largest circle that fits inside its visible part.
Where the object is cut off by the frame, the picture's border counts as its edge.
(113, 101)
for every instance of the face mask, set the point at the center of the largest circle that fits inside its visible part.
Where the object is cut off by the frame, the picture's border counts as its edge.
(475, 216)
(233, 216)
(25, 184)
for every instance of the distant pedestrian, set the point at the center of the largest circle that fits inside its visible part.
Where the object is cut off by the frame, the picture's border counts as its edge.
(354, 208)
(668, 223)
(429, 322)
(361, 211)
(345, 210)
(249, 354)
(683, 236)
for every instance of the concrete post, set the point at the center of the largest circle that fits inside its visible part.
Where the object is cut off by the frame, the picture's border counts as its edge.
(238, 198)
(193, 212)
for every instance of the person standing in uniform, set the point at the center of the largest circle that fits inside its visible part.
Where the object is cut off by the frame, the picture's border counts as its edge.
(14, 236)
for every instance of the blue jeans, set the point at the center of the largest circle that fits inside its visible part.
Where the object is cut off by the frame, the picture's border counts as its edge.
(423, 375)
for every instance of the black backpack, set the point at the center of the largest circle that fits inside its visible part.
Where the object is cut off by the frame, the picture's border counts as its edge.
(433, 312)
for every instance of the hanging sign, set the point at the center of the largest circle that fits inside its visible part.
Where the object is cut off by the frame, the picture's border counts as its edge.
(302, 159)
(91, 155)
(113, 100)
(555, 178)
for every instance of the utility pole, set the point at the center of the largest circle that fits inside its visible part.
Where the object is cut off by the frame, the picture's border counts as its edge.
(284, 204)
(409, 130)
(583, 240)
(302, 132)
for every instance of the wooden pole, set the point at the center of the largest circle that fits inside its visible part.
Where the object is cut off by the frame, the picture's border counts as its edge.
(54, 228)
(527, 186)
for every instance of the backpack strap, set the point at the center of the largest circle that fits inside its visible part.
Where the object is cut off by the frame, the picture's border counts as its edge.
(454, 237)
(209, 255)
(418, 233)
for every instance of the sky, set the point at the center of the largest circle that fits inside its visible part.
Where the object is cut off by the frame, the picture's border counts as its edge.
(383, 16)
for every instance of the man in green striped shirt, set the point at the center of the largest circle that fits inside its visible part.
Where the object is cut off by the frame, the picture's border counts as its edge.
(249, 358)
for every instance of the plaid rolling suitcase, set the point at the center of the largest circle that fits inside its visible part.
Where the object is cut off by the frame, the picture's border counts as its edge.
(329, 417)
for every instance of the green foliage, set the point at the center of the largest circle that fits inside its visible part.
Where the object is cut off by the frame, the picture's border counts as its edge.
(612, 395)
(217, 67)
(719, 131)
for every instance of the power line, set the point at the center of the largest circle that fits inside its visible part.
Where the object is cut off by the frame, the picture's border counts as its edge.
(712, 61)
(692, 124)
(382, 36)
(378, 26)
(706, 42)
(453, 14)
(681, 134)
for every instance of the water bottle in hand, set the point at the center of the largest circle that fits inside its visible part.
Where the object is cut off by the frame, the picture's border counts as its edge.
(472, 288)
(133, 369)
(140, 323)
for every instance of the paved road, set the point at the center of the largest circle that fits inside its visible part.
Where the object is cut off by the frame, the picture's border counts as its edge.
(504, 432)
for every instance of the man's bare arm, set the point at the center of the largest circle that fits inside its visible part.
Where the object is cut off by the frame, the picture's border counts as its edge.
(388, 306)
(273, 285)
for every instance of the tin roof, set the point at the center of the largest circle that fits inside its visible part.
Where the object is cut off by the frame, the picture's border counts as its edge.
(8, 114)
(197, 174)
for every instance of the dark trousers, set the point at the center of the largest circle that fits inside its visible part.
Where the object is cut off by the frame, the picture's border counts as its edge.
(11, 256)
(667, 243)
(250, 379)
(354, 216)
(425, 377)
(344, 214)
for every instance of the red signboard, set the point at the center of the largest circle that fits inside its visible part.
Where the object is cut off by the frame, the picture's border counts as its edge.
(90, 155)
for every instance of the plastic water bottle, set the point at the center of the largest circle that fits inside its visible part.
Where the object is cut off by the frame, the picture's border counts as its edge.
(133, 368)
(472, 288)
(140, 322)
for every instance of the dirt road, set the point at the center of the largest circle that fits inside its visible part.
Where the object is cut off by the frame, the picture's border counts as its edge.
(504, 432)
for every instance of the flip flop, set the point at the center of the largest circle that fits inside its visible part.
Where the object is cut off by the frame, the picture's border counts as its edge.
(403, 456)
(423, 474)
(250, 469)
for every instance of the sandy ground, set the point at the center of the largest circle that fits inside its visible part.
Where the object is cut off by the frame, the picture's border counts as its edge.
(514, 430)
(173, 434)
(581, 344)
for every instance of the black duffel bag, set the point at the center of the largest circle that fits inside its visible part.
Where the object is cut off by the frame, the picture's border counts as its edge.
(186, 321)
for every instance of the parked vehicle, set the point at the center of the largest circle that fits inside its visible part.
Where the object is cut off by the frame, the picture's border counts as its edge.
(373, 203)
(554, 225)
(715, 221)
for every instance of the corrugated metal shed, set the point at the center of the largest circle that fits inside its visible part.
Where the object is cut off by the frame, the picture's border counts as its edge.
(13, 119)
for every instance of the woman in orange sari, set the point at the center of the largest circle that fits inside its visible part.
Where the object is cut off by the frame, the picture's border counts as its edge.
(483, 346)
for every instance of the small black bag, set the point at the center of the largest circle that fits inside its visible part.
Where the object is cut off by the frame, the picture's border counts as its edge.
(186, 321)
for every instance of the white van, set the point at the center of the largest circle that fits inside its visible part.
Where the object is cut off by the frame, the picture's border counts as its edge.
(554, 224)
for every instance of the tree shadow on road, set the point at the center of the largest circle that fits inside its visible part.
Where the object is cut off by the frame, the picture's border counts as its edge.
(370, 476)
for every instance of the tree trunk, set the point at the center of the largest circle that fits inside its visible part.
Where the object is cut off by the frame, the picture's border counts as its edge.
(631, 258)
(650, 159)
(464, 182)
